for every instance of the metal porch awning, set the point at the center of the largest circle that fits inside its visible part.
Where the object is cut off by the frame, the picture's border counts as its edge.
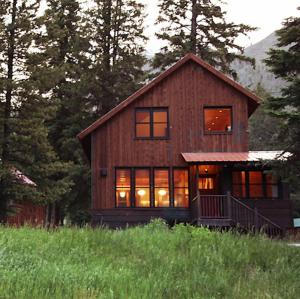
(251, 156)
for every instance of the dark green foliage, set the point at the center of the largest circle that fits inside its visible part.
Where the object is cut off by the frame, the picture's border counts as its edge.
(198, 26)
(116, 35)
(145, 262)
(263, 128)
(24, 140)
(88, 61)
(284, 62)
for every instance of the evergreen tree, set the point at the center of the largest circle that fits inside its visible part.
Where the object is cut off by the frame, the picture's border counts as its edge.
(116, 34)
(263, 128)
(24, 144)
(198, 26)
(60, 74)
(284, 62)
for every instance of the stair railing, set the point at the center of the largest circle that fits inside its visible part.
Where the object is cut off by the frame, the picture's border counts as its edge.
(252, 220)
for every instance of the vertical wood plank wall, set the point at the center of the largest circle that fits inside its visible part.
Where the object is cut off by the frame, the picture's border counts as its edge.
(184, 92)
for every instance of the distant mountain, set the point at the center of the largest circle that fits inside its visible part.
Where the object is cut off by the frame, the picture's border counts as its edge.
(249, 77)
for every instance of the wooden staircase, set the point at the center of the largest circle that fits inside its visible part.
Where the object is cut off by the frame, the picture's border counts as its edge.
(226, 211)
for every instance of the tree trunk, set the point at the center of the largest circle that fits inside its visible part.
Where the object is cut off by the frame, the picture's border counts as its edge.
(7, 109)
(9, 83)
(193, 47)
(107, 34)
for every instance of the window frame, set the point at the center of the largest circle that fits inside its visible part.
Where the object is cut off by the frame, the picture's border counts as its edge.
(154, 186)
(217, 132)
(264, 185)
(151, 169)
(132, 183)
(151, 110)
(173, 186)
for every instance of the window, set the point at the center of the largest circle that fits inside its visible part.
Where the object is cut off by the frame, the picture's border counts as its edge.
(272, 186)
(255, 184)
(151, 123)
(206, 183)
(142, 188)
(217, 119)
(239, 184)
(151, 187)
(181, 188)
(123, 187)
(161, 188)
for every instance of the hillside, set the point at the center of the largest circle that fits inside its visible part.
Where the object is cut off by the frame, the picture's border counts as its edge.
(145, 262)
(250, 77)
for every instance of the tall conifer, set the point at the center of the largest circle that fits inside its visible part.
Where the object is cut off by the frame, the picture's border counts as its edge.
(198, 26)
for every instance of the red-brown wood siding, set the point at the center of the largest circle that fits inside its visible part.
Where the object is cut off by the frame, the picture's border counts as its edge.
(27, 213)
(185, 93)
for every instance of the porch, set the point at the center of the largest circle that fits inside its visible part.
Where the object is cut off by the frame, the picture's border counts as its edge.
(238, 190)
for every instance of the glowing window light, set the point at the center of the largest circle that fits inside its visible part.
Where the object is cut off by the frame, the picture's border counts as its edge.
(122, 194)
(141, 192)
(162, 192)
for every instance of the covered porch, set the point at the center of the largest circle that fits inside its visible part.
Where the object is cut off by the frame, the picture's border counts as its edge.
(230, 189)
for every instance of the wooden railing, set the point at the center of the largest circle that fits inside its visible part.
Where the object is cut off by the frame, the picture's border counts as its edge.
(229, 207)
(252, 220)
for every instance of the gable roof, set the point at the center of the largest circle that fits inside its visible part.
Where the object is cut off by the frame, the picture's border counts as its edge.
(253, 99)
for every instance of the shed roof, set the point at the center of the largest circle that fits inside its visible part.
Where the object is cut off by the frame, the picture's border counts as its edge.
(251, 156)
(253, 100)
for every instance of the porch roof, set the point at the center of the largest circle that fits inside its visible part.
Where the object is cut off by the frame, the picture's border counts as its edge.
(250, 156)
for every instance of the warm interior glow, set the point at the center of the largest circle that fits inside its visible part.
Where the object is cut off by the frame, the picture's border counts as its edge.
(151, 123)
(122, 194)
(161, 188)
(206, 183)
(162, 192)
(181, 188)
(141, 192)
(142, 185)
(217, 120)
(123, 187)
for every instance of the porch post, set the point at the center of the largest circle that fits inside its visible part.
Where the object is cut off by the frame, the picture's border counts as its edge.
(256, 219)
(229, 205)
(199, 213)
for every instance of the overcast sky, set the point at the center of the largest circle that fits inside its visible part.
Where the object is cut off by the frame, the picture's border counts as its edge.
(265, 14)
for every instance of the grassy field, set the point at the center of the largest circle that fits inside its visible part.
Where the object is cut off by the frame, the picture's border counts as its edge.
(145, 262)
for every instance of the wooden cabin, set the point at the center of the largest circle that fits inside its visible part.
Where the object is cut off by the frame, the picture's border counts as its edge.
(25, 212)
(178, 149)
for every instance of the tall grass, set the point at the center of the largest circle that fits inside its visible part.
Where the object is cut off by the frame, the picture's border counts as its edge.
(145, 262)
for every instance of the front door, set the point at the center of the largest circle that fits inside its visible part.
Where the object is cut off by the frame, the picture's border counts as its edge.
(209, 191)
(207, 184)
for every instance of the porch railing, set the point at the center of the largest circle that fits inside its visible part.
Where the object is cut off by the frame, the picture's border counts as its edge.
(229, 207)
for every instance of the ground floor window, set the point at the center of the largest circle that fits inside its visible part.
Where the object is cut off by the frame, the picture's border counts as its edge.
(254, 184)
(123, 186)
(152, 187)
(142, 187)
(181, 187)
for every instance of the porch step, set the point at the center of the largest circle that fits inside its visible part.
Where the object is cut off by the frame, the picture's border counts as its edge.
(214, 222)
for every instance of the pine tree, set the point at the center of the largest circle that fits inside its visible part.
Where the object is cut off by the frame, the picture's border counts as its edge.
(198, 26)
(116, 34)
(60, 74)
(263, 128)
(24, 135)
(284, 62)
(16, 23)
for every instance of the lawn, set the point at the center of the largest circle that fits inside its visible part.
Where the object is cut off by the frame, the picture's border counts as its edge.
(145, 262)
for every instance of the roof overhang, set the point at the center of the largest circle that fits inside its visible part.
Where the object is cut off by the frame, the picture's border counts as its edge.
(251, 156)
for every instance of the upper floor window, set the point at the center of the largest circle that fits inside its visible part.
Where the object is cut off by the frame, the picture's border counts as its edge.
(151, 123)
(217, 119)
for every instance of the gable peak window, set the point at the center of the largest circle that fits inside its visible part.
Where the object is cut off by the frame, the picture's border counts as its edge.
(151, 123)
(217, 119)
